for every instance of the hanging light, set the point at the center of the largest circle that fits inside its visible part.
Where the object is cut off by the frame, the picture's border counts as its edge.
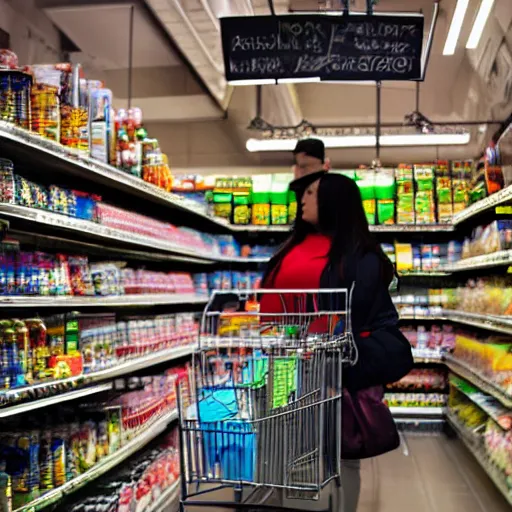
(365, 141)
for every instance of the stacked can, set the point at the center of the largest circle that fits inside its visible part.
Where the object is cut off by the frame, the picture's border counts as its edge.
(46, 111)
(15, 87)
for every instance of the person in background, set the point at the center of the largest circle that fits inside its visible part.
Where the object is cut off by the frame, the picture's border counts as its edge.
(331, 247)
(310, 164)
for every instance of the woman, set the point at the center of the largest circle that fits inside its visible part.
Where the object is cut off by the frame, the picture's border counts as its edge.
(331, 247)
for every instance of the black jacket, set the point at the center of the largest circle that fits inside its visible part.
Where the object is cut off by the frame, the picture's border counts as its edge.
(372, 307)
(385, 356)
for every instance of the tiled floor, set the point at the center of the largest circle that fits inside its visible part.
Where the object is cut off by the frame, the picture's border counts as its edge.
(427, 474)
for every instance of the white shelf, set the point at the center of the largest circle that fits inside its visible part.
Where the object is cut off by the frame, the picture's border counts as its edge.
(421, 412)
(497, 477)
(494, 259)
(494, 323)
(478, 380)
(492, 201)
(99, 172)
(105, 465)
(490, 410)
(249, 228)
(106, 234)
(167, 501)
(28, 301)
(62, 157)
(13, 410)
(126, 368)
(413, 228)
(385, 228)
(425, 273)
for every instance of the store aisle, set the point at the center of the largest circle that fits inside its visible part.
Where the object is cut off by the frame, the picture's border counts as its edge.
(428, 474)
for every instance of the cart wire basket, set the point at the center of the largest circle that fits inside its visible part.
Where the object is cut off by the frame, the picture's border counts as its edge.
(260, 411)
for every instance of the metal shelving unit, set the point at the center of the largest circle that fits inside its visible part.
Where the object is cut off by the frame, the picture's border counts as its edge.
(109, 235)
(418, 412)
(86, 383)
(385, 228)
(478, 380)
(494, 259)
(167, 501)
(494, 323)
(62, 158)
(497, 477)
(485, 407)
(102, 467)
(13, 410)
(492, 201)
(135, 300)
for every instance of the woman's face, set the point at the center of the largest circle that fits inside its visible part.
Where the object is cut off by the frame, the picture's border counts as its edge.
(310, 204)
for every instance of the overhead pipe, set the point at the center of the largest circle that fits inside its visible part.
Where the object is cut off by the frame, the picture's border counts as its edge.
(378, 120)
(425, 58)
(130, 55)
(250, 6)
(211, 15)
(159, 25)
(197, 37)
(389, 125)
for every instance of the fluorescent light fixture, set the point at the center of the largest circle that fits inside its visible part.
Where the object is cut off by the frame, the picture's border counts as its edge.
(256, 145)
(364, 141)
(263, 81)
(453, 34)
(426, 139)
(479, 25)
(299, 80)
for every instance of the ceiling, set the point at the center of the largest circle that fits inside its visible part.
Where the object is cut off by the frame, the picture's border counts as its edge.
(469, 85)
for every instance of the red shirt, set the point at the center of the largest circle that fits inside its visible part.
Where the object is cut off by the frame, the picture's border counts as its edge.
(300, 269)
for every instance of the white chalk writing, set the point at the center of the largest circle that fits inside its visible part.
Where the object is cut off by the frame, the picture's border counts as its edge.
(254, 43)
(257, 65)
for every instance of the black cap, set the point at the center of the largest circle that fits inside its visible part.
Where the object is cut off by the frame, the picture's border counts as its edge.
(311, 147)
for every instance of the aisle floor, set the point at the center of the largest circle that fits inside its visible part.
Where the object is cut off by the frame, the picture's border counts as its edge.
(426, 474)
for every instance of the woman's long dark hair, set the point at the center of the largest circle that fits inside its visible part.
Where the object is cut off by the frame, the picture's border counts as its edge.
(342, 217)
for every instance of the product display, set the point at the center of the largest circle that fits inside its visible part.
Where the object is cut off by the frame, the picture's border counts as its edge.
(491, 357)
(421, 379)
(422, 257)
(107, 258)
(415, 399)
(226, 280)
(496, 236)
(17, 190)
(58, 103)
(141, 484)
(40, 456)
(73, 344)
(491, 440)
(41, 274)
(410, 194)
(430, 341)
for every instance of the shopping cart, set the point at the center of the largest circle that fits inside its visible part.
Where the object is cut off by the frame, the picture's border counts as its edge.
(260, 414)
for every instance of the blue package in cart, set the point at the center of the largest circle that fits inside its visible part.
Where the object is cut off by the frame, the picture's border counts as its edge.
(228, 440)
(229, 448)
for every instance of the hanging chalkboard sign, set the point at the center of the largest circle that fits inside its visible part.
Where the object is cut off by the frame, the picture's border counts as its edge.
(335, 48)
